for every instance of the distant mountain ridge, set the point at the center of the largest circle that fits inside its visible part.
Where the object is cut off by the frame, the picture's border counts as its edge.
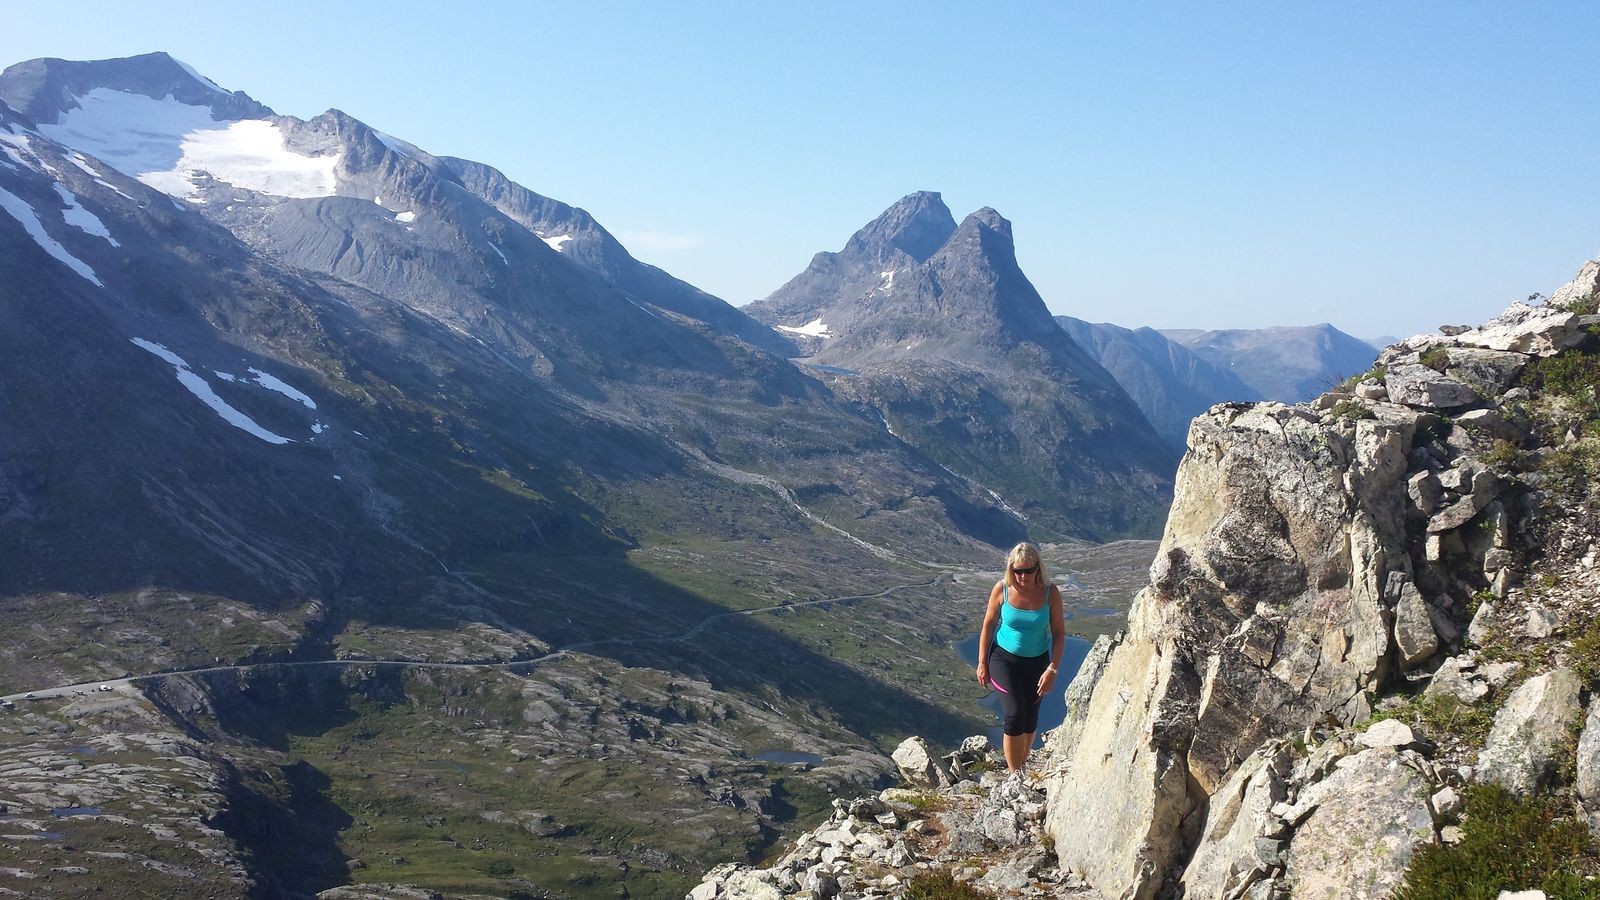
(1170, 383)
(1289, 364)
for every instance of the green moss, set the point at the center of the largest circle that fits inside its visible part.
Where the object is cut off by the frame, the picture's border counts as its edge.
(1569, 374)
(928, 803)
(1510, 844)
(1376, 373)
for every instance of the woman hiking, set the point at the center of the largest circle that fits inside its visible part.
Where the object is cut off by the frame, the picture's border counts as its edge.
(1020, 647)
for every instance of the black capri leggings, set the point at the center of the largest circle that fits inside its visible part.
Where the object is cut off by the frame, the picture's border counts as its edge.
(1017, 679)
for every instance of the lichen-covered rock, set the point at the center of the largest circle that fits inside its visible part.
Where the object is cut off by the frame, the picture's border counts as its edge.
(1414, 634)
(1521, 752)
(1456, 677)
(1371, 815)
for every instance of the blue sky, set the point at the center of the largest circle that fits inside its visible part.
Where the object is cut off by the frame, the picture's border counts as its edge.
(1386, 167)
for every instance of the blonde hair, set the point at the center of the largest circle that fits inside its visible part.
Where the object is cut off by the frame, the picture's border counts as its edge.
(1024, 555)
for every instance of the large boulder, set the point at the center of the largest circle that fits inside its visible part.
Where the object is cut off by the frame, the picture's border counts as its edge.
(1370, 816)
(1419, 386)
(1537, 330)
(1528, 732)
(919, 767)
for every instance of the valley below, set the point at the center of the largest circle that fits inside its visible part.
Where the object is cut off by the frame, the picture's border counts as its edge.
(622, 761)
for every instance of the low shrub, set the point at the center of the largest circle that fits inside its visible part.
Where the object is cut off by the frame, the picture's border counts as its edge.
(1350, 409)
(1510, 844)
(1435, 358)
(1569, 374)
(1585, 656)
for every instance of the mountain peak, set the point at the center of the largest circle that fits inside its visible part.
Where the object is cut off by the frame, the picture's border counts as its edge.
(917, 224)
(990, 219)
(44, 89)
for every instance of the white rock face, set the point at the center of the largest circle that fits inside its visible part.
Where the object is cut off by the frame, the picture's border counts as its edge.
(1520, 754)
(1584, 285)
(1371, 815)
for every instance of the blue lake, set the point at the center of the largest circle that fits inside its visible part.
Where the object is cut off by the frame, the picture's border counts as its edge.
(1054, 709)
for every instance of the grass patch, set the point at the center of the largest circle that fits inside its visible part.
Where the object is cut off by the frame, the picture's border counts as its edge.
(1443, 716)
(1504, 456)
(941, 884)
(1585, 656)
(1351, 410)
(1510, 844)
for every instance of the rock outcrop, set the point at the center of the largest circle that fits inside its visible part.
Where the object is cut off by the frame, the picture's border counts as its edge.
(1316, 558)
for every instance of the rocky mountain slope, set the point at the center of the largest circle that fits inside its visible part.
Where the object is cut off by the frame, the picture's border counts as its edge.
(297, 392)
(934, 326)
(1364, 667)
(1170, 383)
(1288, 364)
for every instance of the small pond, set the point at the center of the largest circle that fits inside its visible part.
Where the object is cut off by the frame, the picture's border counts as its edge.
(67, 812)
(789, 758)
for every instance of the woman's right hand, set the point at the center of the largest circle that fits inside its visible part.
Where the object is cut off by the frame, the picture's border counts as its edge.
(983, 673)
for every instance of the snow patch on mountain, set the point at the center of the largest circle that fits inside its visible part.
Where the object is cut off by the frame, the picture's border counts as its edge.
(19, 209)
(407, 217)
(81, 219)
(556, 242)
(199, 387)
(813, 328)
(200, 78)
(167, 144)
(77, 159)
(393, 143)
(272, 383)
(14, 146)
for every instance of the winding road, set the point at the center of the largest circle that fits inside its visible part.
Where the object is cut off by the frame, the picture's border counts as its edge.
(90, 687)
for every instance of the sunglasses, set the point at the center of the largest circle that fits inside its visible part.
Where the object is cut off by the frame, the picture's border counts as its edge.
(1017, 570)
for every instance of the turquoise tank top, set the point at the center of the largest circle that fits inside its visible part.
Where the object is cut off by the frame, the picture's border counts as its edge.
(1024, 632)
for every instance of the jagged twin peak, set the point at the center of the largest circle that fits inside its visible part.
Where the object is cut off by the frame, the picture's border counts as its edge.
(935, 324)
(914, 284)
